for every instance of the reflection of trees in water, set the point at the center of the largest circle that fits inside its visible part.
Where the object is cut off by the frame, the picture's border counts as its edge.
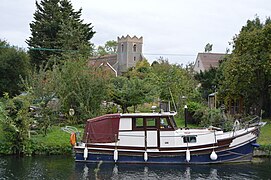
(100, 171)
(64, 167)
(154, 171)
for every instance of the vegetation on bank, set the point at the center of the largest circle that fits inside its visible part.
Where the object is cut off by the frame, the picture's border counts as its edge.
(264, 139)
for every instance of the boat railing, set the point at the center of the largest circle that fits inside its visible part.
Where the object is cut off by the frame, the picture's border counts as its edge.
(69, 129)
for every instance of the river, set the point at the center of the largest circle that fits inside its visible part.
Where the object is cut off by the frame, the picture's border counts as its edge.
(64, 167)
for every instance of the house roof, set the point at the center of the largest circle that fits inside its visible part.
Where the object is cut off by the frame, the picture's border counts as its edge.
(209, 60)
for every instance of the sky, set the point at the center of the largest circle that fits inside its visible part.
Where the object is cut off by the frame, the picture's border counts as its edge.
(173, 29)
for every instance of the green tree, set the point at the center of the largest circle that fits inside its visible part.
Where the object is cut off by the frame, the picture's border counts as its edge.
(40, 83)
(142, 70)
(110, 47)
(57, 28)
(175, 82)
(16, 122)
(208, 81)
(14, 65)
(81, 87)
(131, 92)
(247, 71)
(208, 48)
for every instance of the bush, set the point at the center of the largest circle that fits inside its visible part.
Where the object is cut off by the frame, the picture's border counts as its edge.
(15, 122)
(212, 117)
(195, 112)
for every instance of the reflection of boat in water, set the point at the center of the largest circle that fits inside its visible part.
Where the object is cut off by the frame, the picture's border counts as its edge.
(171, 171)
(155, 138)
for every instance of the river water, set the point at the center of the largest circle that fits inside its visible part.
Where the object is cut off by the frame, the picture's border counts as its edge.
(64, 167)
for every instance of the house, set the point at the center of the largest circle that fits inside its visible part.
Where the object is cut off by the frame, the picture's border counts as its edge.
(129, 52)
(205, 61)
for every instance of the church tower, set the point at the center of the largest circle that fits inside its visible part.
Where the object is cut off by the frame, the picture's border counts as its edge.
(129, 52)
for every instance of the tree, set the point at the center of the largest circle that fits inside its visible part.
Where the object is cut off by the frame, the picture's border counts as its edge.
(142, 70)
(81, 87)
(16, 121)
(131, 92)
(208, 81)
(41, 86)
(57, 28)
(175, 83)
(110, 47)
(247, 71)
(208, 48)
(14, 65)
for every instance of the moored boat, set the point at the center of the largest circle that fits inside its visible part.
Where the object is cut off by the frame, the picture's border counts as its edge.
(155, 138)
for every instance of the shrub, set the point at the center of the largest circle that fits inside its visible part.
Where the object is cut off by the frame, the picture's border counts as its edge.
(195, 112)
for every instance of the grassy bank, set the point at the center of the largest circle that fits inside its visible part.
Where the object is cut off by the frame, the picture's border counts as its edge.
(265, 135)
(265, 138)
(54, 143)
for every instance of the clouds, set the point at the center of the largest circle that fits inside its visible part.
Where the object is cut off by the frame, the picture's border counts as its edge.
(168, 27)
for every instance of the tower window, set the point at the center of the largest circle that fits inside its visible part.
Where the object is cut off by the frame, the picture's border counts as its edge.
(134, 48)
(134, 58)
(122, 47)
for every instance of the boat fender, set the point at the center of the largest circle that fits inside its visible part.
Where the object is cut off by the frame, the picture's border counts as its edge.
(255, 145)
(213, 156)
(85, 153)
(73, 139)
(145, 156)
(236, 125)
(187, 155)
(116, 154)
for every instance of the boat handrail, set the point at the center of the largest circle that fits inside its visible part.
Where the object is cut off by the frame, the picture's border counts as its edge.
(69, 129)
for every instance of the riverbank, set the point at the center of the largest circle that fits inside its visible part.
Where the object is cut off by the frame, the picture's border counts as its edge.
(56, 142)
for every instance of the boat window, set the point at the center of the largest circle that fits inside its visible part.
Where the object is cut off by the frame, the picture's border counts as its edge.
(139, 122)
(151, 122)
(164, 123)
(189, 139)
(172, 121)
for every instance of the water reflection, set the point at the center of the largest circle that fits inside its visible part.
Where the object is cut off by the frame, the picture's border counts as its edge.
(63, 167)
(135, 171)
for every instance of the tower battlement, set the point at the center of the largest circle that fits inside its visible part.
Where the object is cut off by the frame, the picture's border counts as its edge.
(128, 38)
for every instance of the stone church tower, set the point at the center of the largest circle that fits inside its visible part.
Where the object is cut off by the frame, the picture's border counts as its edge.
(129, 52)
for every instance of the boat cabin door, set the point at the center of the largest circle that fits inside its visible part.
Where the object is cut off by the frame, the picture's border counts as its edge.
(151, 132)
(148, 126)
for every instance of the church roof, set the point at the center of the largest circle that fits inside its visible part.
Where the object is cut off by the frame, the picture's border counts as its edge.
(107, 62)
(97, 61)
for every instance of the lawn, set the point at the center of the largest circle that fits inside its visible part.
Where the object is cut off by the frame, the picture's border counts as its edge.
(265, 135)
(55, 136)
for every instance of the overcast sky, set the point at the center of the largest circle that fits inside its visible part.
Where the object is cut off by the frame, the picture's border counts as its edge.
(180, 28)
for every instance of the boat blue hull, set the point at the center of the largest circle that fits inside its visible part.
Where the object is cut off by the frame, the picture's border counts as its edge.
(238, 154)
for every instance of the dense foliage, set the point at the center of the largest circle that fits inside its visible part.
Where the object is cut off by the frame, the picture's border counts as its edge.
(56, 30)
(175, 83)
(14, 65)
(110, 47)
(208, 82)
(131, 92)
(16, 122)
(247, 71)
(71, 85)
